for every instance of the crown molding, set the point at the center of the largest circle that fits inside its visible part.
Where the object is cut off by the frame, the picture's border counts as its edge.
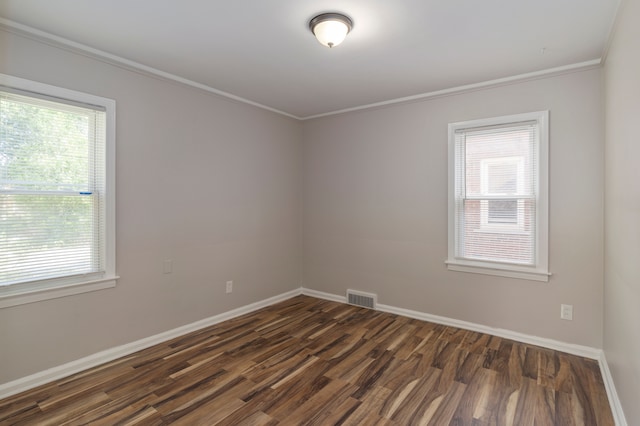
(101, 55)
(82, 49)
(565, 69)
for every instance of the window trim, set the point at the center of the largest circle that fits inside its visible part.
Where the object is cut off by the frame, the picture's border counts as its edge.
(22, 293)
(539, 271)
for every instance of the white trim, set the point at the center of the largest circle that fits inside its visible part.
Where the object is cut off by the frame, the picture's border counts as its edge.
(322, 295)
(31, 295)
(520, 78)
(612, 394)
(119, 61)
(456, 194)
(65, 370)
(61, 92)
(29, 382)
(116, 60)
(570, 348)
(65, 286)
(462, 265)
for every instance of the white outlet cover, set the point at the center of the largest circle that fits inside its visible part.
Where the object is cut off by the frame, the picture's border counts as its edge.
(566, 312)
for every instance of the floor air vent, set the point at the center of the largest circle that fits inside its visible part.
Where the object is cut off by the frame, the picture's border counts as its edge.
(358, 298)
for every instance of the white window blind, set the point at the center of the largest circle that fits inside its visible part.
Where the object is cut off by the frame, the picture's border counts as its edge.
(52, 186)
(495, 214)
(496, 219)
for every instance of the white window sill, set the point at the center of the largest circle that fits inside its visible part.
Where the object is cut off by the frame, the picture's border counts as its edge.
(28, 294)
(497, 269)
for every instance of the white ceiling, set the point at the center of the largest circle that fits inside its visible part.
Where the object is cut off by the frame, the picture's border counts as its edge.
(263, 51)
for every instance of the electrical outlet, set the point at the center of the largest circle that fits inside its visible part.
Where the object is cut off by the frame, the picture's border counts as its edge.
(566, 312)
(167, 266)
(229, 287)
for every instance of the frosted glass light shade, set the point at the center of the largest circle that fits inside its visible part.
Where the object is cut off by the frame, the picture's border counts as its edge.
(330, 28)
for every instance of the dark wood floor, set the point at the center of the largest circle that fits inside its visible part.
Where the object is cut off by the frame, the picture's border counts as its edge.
(311, 361)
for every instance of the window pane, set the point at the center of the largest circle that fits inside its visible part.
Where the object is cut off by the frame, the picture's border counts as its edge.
(44, 236)
(498, 197)
(51, 189)
(495, 222)
(498, 161)
(502, 211)
(497, 243)
(43, 148)
(502, 177)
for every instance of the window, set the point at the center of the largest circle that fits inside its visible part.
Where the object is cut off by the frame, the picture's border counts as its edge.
(498, 196)
(57, 225)
(500, 179)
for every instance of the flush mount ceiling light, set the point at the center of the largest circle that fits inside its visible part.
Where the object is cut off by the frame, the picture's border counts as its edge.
(330, 28)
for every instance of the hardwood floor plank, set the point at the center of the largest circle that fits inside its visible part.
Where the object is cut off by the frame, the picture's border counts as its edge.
(212, 412)
(564, 414)
(312, 408)
(472, 398)
(526, 406)
(531, 363)
(368, 412)
(399, 373)
(416, 403)
(19, 412)
(370, 375)
(515, 365)
(483, 407)
(447, 406)
(545, 406)
(308, 361)
(75, 406)
(256, 418)
(128, 416)
(286, 401)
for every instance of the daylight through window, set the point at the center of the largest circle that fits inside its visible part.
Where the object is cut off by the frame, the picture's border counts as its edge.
(53, 187)
(497, 200)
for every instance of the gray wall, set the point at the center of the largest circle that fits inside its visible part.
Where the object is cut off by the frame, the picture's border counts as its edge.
(622, 212)
(375, 209)
(218, 186)
(208, 182)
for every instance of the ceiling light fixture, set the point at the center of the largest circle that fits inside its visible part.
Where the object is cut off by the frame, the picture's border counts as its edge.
(330, 28)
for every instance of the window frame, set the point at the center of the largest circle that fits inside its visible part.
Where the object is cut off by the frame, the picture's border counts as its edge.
(539, 271)
(34, 291)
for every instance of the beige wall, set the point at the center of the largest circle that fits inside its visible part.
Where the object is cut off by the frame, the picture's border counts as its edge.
(210, 183)
(622, 212)
(375, 209)
(217, 186)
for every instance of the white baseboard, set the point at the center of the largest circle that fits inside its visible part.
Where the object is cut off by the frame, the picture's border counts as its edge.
(65, 370)
(612, 394)
(322, 295)
(584, 351)
(29, 382)
(579, 350)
